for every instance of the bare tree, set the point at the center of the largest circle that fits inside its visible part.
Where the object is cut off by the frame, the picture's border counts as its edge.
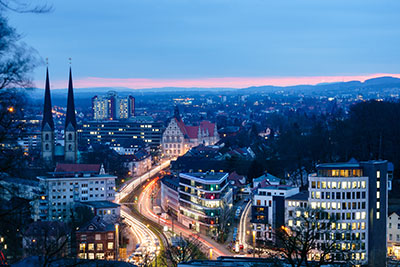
(223, 220)
(182, 250)
(48, 240)
(312, 240)
(24, 6)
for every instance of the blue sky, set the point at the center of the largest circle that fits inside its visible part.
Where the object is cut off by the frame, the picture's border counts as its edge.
(194, 40)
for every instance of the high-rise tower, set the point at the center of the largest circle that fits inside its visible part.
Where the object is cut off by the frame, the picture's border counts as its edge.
(70, 131)
(47, 126)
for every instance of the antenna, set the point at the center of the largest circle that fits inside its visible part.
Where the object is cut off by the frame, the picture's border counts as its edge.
(70, 61)
(47, 61)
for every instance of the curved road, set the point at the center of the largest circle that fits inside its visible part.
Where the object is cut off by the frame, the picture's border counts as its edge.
(146, 210)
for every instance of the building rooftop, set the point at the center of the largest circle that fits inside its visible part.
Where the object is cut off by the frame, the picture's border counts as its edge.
(63, 167)
(101, 204)
(344, 165)
(97, 224)
(277, 187)
(299, 196)
(226, 261)
(269, 177)
(209, 176)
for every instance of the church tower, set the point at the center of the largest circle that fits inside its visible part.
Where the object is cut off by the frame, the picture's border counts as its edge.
(47, 126)
(70, 131)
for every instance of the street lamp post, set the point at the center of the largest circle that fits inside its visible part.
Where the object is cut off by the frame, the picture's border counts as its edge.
(254, 244)
(116, 240)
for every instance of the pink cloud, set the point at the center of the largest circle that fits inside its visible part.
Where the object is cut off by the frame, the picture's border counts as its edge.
(224, 82)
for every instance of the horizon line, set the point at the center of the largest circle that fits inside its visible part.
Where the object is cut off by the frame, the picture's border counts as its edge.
(221, 82)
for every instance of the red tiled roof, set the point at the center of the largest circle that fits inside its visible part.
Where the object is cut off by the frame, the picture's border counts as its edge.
(63, 167)
(206, 125)
(193, 131)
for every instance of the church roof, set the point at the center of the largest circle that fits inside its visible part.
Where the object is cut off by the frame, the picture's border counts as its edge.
(47, 109)
(70, 117)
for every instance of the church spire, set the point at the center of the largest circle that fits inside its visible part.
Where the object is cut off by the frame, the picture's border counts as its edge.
(70, 117)
(47, 109)
(70, 133)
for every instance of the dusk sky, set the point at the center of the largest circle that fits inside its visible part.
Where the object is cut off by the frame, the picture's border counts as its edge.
(213, 43)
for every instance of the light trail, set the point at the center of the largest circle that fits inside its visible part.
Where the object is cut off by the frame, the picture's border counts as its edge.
(243, 225)
(134, 183)
(147, 239)
(146, 210)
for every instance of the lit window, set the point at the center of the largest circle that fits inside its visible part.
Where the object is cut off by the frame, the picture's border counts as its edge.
(363, 184)
(344, 185)
(91, 246)
(378, 174)
(378, 215)
(110, 245)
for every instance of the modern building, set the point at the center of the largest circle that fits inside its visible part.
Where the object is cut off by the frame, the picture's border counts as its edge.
(72, 183)
(97, 240)
(170, 195)
(141, 128)
(203, 197)
(355, 194)
(268, 209)
(293, 204)
(178, 137)
(113, 107)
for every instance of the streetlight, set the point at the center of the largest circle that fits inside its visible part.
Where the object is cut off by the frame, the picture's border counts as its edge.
(116, 240)
(254, 244)
(211, 253)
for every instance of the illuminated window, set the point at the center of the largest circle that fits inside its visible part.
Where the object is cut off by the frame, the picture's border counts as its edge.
(110, 245)
(378, 215)
(378, 174)
(378, 184)
(344, 185)
(91, 246)
(363, 184)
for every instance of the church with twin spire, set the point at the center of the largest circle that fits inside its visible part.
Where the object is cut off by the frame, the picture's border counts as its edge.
(70, 128)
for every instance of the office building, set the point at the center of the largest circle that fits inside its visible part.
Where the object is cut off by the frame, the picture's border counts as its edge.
(355, 194)
(202, 198)
(113, 107)
(141, 128)
(72, 183)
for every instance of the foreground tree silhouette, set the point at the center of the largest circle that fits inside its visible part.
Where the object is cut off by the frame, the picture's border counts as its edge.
(311, 240)
(182, 250)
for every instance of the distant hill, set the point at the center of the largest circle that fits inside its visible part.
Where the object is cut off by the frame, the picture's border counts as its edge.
(351, 86)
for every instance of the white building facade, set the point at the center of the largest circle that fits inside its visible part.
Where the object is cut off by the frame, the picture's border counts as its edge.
(178, 138)
(81, 183)
(268, 202)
